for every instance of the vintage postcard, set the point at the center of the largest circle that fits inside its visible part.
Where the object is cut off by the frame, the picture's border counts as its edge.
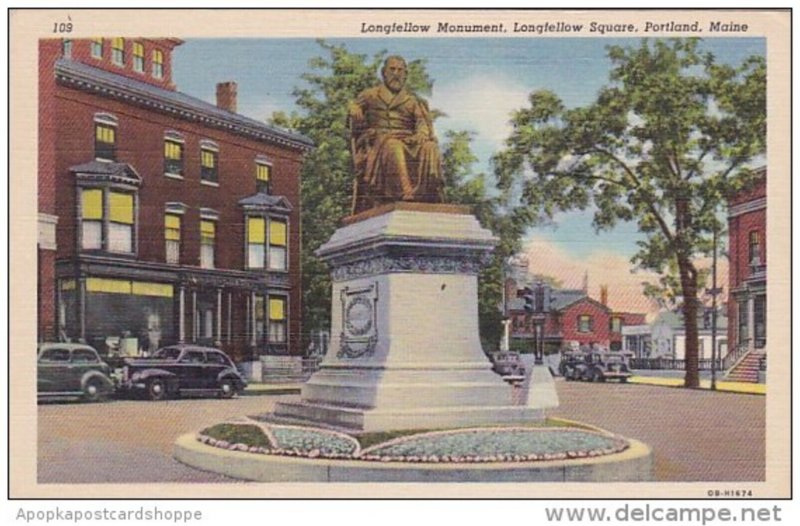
(400, 253)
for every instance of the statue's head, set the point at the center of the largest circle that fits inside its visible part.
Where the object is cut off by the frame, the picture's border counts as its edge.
(394, 73)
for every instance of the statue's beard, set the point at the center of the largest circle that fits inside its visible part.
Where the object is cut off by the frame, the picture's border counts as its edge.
(395, 84)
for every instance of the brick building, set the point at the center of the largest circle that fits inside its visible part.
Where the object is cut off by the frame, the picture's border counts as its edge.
(747, 234)
(162, 218)
(573, 317)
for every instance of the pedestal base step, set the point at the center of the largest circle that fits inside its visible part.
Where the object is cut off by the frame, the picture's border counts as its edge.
(364, 419)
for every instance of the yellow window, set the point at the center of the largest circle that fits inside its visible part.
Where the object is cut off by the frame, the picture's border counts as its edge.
(208, 159)
(172, 227)
(277, 309)
(92, 204)
(138, 50)
(110, 286)
(172, 150)
(277, 233)
(97, 47)
(262, 172)
(105, 133)
(117, 43)
(120, 208)
(158, 57)
(207, 231)
(143, 288)
(255, 230)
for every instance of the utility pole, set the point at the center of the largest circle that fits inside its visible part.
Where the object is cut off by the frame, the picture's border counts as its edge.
(714, 291)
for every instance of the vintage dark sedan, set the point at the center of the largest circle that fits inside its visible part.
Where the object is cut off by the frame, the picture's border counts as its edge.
(72, 370)
(182, 369)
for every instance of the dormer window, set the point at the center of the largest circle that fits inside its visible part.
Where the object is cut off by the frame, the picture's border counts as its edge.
(97, 48)
(138, 57)
(66, 48)
(158, 64)
(118, 51)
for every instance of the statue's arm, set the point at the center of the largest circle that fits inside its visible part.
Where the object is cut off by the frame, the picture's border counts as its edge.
(424, 123)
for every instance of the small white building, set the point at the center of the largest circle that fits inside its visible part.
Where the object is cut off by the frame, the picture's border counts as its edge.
(665, 337)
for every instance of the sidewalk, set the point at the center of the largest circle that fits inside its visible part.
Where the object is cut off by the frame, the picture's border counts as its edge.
(260, 389)
(722, 386)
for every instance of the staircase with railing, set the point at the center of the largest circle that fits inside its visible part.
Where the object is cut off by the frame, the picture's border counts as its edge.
(744, 365)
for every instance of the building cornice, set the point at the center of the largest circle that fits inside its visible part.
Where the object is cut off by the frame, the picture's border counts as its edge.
(748, 207)
(99, 82)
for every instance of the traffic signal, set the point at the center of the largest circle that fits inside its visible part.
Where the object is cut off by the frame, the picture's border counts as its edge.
(530, 299)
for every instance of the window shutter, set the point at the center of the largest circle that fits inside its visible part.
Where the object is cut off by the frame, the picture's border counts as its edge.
(277, 233)
(121, 208)
(276, 309)
(255, 230)
(92, 204)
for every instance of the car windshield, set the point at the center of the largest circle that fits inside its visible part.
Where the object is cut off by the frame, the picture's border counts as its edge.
(168, 353)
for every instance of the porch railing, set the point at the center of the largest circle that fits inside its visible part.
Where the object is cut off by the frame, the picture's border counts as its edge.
(671, 364)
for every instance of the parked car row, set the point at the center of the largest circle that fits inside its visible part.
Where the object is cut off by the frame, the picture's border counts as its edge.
(69, 370)
(594, 366)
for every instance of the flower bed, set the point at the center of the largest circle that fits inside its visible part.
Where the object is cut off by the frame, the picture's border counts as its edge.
(486, 444)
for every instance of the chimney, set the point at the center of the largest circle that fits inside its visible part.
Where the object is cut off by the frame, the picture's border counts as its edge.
(604, 295)
(226, 96)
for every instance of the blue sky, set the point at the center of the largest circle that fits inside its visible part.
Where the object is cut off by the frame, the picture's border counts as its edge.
(477, 83)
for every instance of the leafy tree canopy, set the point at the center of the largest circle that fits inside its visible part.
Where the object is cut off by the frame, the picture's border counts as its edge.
(663, 145)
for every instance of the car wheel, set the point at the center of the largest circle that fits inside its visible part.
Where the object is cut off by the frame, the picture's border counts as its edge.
(156, 389)
(227, 388)
(94, 390)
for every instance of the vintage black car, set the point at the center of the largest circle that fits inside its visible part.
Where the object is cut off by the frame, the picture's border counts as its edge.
(595, 366)
(72, 370)
(508, 365)
(181, 370)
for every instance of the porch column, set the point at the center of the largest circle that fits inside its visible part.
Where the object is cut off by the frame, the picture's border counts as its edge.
(181, 314)
(230, 302)
(253, 320)
(82, 308)
(218, 341)
(194, 316)
(751, 322)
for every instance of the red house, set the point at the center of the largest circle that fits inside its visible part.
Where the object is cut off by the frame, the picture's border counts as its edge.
(162, 218)
(573, 316)
(747, 305)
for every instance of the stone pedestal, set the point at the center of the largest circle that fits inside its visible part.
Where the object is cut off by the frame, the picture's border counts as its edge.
(405, 351)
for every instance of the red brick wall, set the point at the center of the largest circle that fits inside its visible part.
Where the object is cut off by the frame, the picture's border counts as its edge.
(600, 322)
(140, 142)
(739, 228)
(82, 52)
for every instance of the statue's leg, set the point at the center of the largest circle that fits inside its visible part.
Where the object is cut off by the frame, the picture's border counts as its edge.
(395, 171)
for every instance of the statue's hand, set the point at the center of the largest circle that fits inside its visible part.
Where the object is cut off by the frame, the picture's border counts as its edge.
(355, 111)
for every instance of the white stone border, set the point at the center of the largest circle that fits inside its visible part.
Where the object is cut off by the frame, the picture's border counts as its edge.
(620, 444)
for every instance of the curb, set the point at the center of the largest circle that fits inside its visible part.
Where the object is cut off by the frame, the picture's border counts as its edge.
(635, 464)
(737, 388)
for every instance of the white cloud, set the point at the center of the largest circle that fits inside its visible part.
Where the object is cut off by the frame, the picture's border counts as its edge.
(480, 103)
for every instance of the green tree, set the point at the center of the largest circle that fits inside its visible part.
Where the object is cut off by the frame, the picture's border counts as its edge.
(327, 176)
(662, 145)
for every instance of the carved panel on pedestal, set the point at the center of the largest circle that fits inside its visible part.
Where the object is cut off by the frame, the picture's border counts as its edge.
(359, 321)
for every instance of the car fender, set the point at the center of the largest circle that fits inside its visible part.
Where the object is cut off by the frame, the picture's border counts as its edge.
(92, 375)
(233, 374)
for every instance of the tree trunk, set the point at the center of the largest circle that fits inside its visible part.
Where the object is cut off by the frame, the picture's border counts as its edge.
(689, 288)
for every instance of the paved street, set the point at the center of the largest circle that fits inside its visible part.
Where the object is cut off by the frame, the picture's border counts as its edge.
(130, 440)
(697, 435)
